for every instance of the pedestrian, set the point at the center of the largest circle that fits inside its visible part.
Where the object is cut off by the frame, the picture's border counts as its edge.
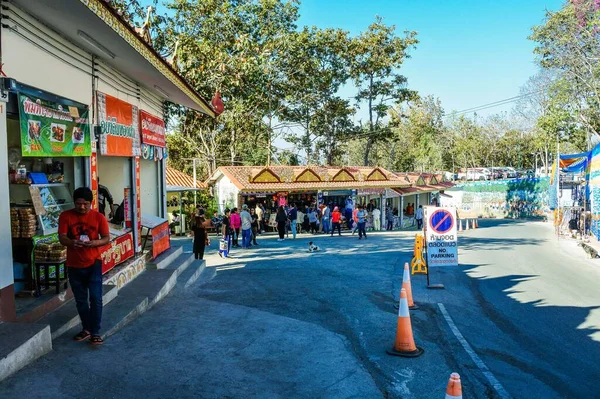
(299, 220)
(255, 225)
(227, 232)
(371, 206)
(281, 219)
(216, 222)
(293, 217)
(326, 218)
(200, 240)
(355, 220)
(361, 221)
(419, 217)
(105, 196)
(260, 213)
(389, 216)
(236, 224)
(376, 219)
(83, 231)
(313, 219)
(306, 220)
(246, 220)
(336, 221)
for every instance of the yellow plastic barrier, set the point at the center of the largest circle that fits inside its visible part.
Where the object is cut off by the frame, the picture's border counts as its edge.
(418, 264)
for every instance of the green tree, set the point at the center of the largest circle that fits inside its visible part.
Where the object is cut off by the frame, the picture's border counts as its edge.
(377, 55)
(568, 42)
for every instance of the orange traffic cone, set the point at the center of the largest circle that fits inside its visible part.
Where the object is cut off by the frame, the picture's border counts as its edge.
(405, 342)
(460, 225)
(476, 223)
(467, 225)
(406, 285)
(454, 388)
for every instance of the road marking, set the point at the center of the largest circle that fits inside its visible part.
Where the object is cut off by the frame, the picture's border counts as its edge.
(476, 359)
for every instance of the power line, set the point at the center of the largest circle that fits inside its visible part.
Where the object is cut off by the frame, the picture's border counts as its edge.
(495, 103)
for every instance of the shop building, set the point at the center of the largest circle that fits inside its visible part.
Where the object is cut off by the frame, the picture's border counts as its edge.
(303, 185)
(82, 96)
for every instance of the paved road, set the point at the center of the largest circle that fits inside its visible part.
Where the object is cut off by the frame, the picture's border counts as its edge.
(278, 321)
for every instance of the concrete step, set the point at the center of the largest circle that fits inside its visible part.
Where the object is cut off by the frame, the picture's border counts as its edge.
(21, 344)
(181, 263)
(164, 259)
(191, 275)
(153, 284)
(65, 318)
(122, 311)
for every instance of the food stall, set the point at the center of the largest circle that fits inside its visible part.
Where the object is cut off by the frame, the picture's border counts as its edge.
(48, 140)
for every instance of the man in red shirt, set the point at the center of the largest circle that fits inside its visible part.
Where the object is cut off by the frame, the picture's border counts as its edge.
(83, 231)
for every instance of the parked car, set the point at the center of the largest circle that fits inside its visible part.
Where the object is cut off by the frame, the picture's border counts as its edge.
(497, 173)
(477, 174)
(511, 173)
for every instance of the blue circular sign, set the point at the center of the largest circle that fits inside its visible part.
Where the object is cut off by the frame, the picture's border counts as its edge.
(441, 221)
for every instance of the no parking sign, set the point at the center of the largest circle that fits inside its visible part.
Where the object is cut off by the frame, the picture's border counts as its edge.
(440, 236)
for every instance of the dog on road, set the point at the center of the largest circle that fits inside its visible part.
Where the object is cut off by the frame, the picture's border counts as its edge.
(312, 247)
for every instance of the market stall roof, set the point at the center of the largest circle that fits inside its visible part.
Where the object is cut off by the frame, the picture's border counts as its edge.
(307, 178)
(178, 181)
(97, 27)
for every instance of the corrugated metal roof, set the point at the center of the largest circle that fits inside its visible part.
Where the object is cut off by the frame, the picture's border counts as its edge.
(179, 179)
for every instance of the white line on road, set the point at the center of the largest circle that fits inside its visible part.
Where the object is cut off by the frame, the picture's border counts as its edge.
(476, 359)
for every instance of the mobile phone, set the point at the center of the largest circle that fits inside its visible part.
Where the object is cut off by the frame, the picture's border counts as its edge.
(84, 238)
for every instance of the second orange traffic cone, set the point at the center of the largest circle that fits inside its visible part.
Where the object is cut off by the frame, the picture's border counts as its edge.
(454, 388)
(405, 342)
(460, 225)
(407, 286)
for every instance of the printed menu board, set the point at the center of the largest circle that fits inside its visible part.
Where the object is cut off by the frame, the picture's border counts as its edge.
(50, 129)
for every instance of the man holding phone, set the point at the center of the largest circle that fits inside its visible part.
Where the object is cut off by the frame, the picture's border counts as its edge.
(83, 231)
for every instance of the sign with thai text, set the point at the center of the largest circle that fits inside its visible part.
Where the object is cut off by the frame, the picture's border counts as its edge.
(117, 251)
(153, 129)
(441, 236)
(51, 129)
(161, 240)
(119, 127)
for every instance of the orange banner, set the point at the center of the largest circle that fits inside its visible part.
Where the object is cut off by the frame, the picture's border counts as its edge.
(161, 239)
(119, 126)
(94, 179)
(138, 200)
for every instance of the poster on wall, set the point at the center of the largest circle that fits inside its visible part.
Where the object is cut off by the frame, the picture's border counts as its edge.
(138, 201)
(153, 129)
(119, 127)
(50, 129)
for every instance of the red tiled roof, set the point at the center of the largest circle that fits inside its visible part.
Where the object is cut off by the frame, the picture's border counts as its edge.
(242, 177)
(180, 179)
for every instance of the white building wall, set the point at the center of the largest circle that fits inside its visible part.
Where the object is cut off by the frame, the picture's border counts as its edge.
(227, 193)
(37, 56)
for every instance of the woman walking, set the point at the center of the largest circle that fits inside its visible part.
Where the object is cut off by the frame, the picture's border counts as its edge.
(336, 220)
(255, 225)
(236, 224)
(281, 219)
(313, 218)
(200, 237)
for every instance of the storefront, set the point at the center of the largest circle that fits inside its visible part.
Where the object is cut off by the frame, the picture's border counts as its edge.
(78, 101)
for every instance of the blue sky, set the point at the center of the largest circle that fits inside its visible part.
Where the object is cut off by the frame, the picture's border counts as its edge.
(471, 52)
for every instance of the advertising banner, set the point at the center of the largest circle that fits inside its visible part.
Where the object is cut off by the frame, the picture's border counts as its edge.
(117, 251)
(160, 239)
(153, 129)
(127, 206)
(119, 127)
(138, 201)
(94, 179)
(440, 236)
(50, 129)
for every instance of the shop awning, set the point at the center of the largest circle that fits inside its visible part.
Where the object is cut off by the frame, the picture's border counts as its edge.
(96, 27)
